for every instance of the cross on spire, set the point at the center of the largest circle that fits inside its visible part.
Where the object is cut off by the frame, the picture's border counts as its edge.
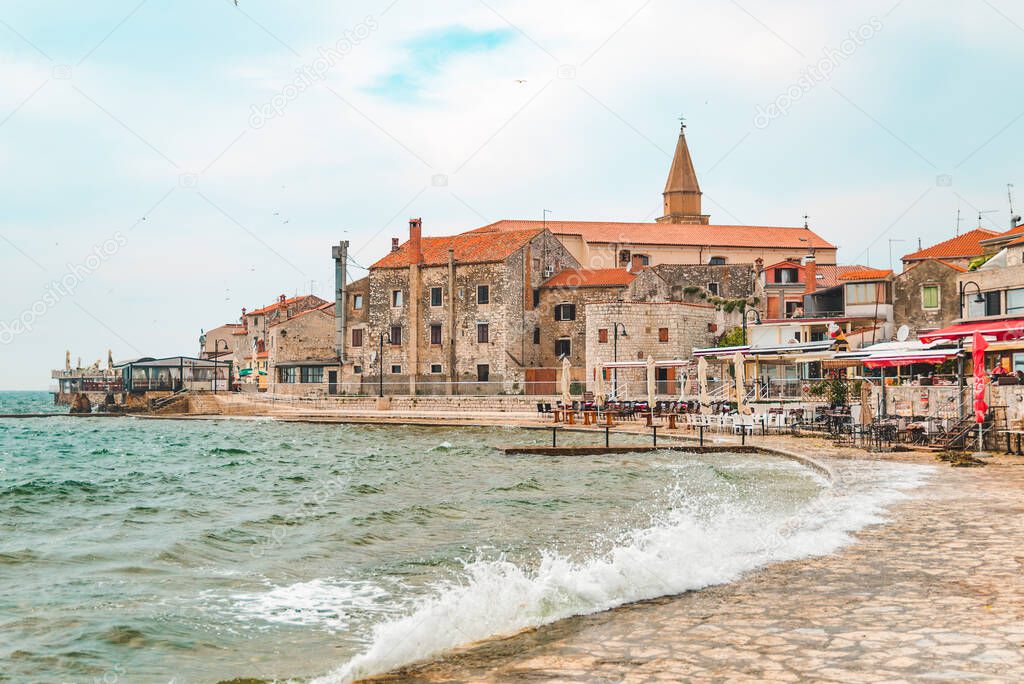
(682, 122)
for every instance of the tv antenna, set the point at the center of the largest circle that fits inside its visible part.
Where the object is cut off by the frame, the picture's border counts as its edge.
(892, 240)
(986, 211)
(958, 220)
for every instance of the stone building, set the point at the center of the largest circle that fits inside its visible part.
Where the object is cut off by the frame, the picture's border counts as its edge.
(218, 342)
(457, 314)
(302, 358)
(663, 330)
(926, 295)
(358, 346)
(562, 306)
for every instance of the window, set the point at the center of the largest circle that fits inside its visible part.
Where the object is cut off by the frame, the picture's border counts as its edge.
(483, 333)
(357, 301)
(435, 368)
(1015, 300)
(990, 307)
(864, 293)
(563, 347)
(602, 335)
(713, 289)
(536, 335)
(786, 275)
(536, 298)
(536, 265)
(287, 375)
(663, 334)
(312, 374)
(929, 296)
(483, 372)
(396, 369)
(358, 370)
(717, 261)
(565, 312)
(435, 296)
(435, 334)
(396, 298)
(624, 256)
(396, 335)
(357, 337)
(483, 294)
(645, 260)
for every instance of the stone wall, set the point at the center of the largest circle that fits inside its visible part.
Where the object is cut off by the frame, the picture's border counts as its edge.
(668, 282)
(307, 337)
(908, 301)
(575, 330)
(688, 326)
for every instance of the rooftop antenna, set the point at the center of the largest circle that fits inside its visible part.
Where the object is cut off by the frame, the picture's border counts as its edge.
(986, 211)
(805, 221)
(1014, 217)
(958, 220)
(546, 212)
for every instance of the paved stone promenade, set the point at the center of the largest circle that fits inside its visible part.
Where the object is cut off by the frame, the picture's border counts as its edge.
(935, 595)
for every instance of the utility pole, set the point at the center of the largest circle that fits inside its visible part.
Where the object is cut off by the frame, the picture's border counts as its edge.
(340, 254)
(892, 240)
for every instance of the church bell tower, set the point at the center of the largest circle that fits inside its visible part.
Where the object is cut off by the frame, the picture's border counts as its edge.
(682, 192)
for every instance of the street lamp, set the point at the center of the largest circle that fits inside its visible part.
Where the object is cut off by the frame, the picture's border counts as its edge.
(380, 362)
(227, 350)
(615, 356)
(979, 298)
(757, 321)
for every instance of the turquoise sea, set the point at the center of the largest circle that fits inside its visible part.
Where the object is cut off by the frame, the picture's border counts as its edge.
(135, 550)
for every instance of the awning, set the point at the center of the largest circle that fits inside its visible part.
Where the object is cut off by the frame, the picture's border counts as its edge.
(1000, 331)
(906, 358)
(670, 363)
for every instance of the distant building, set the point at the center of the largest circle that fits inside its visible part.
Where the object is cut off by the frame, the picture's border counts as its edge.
(301, 356)
(959, 250)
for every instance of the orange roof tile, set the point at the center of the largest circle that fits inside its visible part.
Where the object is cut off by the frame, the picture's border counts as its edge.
(470, 248)
(322, 307)
(953, 266)
(1002, 237)
(962, 246)
(866, 274)
(672, 234)
(590, 277)
(275, 305)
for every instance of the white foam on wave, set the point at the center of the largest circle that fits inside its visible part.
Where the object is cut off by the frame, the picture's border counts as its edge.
(324, 603)
(684, 550)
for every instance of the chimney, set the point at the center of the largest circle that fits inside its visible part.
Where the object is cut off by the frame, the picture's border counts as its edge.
(281, 298)
(1014, 221)
(810, 275)
(394, 244)
(637, 264)
(416, 240)
(245, 321)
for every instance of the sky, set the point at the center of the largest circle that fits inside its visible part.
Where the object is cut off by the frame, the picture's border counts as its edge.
(165, 163)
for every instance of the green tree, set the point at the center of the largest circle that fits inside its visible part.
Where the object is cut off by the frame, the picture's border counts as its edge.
(731, 338)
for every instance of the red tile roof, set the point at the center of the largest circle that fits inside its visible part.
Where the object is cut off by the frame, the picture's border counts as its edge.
(866, 274)
(590, 277)
(953, 266)
(831, 275)
(1016, 241)
(470, 248)
(1001, 237)
(275, 305)
(672, 234)
(963, 246)
(322, 307)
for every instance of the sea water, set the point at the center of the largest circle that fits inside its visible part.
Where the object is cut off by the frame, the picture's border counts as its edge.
(150, 550)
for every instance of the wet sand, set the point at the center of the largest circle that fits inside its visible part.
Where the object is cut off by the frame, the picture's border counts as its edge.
(936, 594)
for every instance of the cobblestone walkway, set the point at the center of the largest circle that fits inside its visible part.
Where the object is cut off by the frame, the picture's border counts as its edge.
(936, 595)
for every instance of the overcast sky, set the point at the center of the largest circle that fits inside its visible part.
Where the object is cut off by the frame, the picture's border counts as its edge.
(168, 163)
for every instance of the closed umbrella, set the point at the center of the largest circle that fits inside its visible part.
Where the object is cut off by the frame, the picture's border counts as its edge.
(702, 382)
(566, 397)
(865, 403)
(686, 386)
(599, 393)
(650, 381)
(741, 391)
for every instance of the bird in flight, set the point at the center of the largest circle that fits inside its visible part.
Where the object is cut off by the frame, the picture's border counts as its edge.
(520, 81)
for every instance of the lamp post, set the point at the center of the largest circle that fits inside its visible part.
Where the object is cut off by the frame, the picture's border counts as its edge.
(757, 321)
(380, 362)
(615, 356)
(979, 298)
(227, 350)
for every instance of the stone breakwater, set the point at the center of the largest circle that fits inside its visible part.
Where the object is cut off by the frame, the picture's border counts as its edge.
(936, 594)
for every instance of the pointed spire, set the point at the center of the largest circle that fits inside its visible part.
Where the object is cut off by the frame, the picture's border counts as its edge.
(682, 191)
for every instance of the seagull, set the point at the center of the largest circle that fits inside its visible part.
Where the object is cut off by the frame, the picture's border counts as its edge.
(520, 81)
